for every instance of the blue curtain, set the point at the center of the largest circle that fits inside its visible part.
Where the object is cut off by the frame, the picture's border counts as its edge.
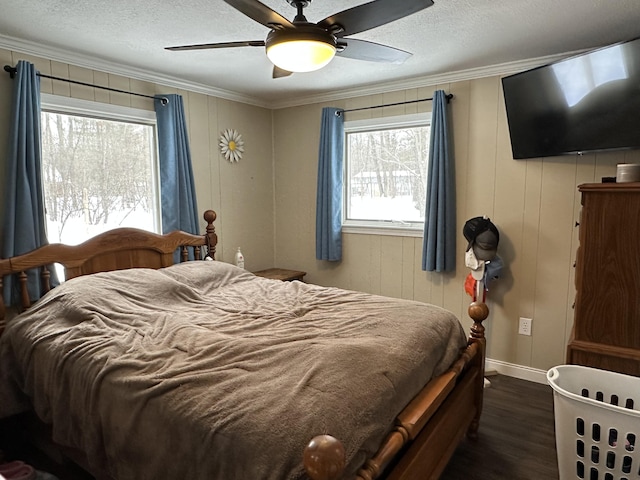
(329, 192)
(439, 241)
(177, 190)
(24, 219)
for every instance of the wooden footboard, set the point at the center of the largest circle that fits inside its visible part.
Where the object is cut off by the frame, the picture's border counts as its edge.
(428, 430)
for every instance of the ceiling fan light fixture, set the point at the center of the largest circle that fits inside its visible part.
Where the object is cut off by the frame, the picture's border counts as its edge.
(297, 51)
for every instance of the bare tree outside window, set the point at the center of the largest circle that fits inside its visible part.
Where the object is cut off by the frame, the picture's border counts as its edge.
(387, 174)
(97, 175)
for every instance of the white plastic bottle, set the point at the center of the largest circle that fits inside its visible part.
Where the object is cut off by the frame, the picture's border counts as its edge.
(239, 259)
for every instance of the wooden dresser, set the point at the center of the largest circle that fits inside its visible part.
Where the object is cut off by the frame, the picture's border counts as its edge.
(606, 330)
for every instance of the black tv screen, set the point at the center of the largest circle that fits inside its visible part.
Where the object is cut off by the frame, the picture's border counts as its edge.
(590, 102)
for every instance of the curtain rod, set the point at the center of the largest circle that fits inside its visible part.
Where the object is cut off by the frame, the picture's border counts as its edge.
(340, 112)
(12, 73)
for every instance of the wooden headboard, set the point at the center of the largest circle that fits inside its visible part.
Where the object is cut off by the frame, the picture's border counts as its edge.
(113, 250)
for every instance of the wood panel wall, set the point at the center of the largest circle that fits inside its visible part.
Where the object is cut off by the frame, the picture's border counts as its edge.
(241, 193)
(266, 202)
(534, 203)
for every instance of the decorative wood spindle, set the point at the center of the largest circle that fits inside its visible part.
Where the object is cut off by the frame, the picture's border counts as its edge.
(394, 443)
(212, 238)
(3, 310)
(24, 291)
(45, 278)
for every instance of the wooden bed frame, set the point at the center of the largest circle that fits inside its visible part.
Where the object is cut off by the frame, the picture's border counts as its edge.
(427, 431)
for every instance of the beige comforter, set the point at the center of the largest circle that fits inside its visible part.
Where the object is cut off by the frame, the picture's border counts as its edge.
(204, 371)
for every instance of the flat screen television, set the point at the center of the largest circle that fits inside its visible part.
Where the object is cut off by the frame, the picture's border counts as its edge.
(590, 102)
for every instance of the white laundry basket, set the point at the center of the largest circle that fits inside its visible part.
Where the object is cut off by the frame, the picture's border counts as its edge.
(597, 420)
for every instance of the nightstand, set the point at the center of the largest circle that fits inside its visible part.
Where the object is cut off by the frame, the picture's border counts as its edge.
(281, 274)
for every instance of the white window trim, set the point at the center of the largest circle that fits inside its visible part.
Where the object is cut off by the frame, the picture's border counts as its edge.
(77, 106)
(409, 120)
(394, 229)
(379, 227)
(107, 111)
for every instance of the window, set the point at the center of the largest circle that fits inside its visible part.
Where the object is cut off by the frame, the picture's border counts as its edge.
(99, 168)
(386, 162)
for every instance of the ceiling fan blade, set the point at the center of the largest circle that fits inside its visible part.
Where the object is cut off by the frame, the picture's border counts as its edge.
(279, 72)
(371, 52)
(371, 15)
(205, 46)
(260, 13)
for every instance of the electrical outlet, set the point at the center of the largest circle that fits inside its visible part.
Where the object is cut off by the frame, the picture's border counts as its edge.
(524, 327)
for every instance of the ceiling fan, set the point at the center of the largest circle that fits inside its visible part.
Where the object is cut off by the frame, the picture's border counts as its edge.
(302, 46)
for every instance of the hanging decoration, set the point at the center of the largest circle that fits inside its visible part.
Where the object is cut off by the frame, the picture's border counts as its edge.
(231, 145)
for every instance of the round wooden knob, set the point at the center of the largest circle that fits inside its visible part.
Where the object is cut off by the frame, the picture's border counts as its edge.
(210, 216)
(478, 311)
(324, 458)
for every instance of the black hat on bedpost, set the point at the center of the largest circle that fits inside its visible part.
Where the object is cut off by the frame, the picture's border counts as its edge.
(483, 237)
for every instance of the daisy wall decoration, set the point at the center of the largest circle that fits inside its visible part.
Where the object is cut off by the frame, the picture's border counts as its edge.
(231, 145)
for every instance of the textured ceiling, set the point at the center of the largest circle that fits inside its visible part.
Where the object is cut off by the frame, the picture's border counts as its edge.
(451, 36)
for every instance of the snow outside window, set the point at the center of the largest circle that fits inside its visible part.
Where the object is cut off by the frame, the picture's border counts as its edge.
(99, 168)
(386, 165)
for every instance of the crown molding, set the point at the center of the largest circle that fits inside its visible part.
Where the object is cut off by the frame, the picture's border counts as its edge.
(86, 61)
(426, 81)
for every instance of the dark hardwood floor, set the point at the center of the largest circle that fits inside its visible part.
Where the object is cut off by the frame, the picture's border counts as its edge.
(516, 440)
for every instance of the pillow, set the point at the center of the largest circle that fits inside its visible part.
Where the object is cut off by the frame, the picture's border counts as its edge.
(206, 275)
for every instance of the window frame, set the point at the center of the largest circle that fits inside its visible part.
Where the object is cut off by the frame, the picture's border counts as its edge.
(119, 113)
(380, 227)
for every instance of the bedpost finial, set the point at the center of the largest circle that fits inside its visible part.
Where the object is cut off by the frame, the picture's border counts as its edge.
(210, 216)
(478, 311)
(211, 237)
(324, 458)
